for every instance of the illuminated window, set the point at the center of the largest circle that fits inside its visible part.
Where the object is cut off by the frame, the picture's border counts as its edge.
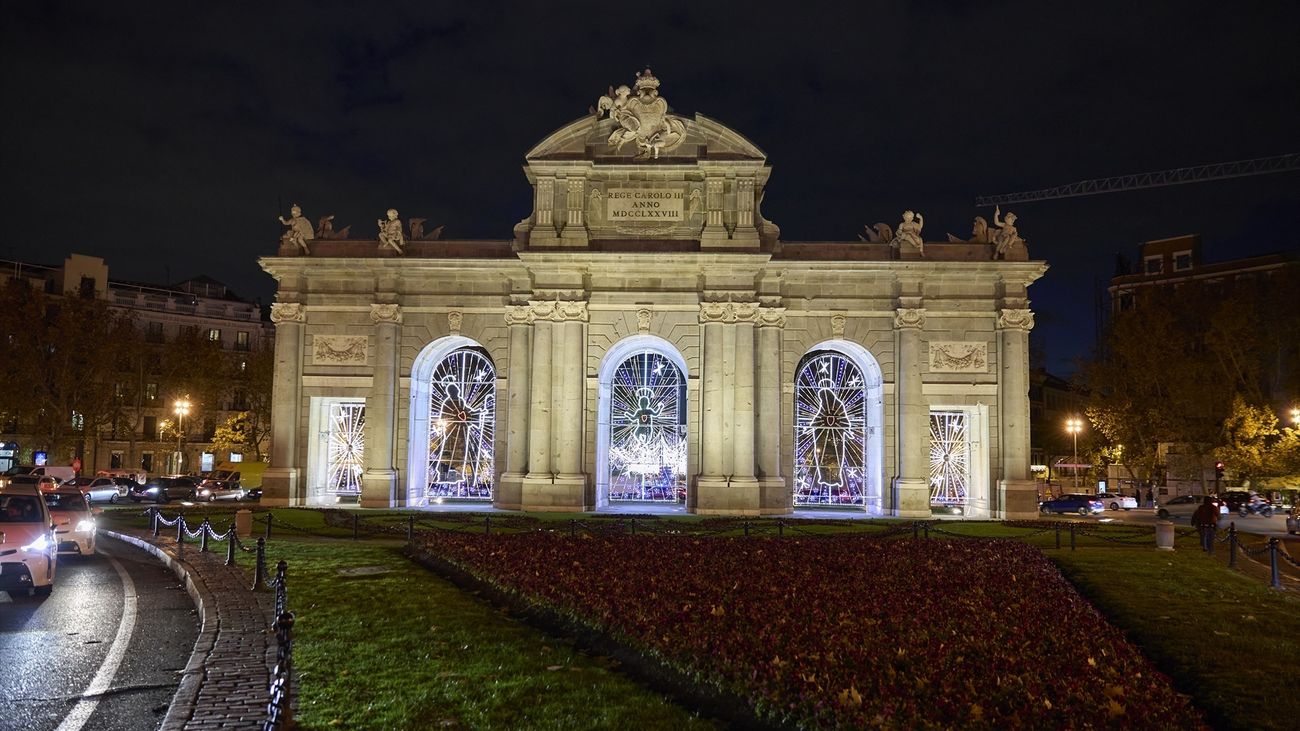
(950, 458)
(462, 417)
(830, 430)
(647, 424)
(347, 441)
(214, 335)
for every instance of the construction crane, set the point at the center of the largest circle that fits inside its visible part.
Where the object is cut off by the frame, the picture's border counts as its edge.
(1158, 179)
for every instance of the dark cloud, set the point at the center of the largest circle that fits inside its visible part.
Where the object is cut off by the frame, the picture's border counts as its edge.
(169, 138)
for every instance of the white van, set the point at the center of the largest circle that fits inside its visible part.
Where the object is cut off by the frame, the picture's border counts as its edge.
(63, 472)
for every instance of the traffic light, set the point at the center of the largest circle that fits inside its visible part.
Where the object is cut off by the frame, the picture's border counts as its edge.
(1218, 475)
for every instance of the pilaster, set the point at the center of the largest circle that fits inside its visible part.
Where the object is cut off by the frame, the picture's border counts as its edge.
(509, 493)
(1017, 493)
(379, 481)
(911, 485)
(281, 485)
(774, 494)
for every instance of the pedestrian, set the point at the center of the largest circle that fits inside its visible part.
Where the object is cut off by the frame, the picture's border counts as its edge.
(1206, 520)
(1151, 498)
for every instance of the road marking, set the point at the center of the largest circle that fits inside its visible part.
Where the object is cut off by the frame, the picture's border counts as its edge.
(108, 669)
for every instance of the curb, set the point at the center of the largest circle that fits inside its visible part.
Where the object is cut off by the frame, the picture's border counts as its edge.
(184, 702)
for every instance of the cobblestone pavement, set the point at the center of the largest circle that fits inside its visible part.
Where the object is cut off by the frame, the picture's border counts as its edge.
(225, 683)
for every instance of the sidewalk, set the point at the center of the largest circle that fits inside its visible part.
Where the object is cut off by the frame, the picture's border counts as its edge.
(224, 685)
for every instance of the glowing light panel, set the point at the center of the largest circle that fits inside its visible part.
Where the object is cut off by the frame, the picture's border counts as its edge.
(462, 413)
(950, 455)
(346, 448)
(830, 431)
(647, 422)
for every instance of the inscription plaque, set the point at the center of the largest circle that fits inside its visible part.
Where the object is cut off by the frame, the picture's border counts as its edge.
(635, 204)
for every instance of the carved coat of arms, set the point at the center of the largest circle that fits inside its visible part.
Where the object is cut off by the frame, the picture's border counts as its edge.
(643, 119)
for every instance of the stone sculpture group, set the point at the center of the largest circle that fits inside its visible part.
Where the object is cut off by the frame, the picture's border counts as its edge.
(1005, 238)
(299, 231)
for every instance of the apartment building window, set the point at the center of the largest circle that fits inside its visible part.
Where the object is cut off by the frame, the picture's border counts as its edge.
(1153, 264)
(153, 332)
(214, 335)
(150, 427)
(241, 340)
(115, 460)
(146, 461)
(151, 391)
(87, 288)
(1182, 261)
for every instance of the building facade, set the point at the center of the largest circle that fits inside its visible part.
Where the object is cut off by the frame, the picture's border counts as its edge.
(645, 338)
(142, 440)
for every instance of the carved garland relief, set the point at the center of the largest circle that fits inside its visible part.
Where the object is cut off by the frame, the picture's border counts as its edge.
(546, 311)
(729, 312)
(339, 349)
(959, 357)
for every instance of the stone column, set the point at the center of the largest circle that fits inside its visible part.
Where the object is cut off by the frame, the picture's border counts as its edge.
(539, 413)
(715, 230)
(774, 495)
(911, 485)
(1017, 494)
(570, 409)
(379, 481)
(280, 484)
(711, 494)
(510, 491)
(743, 484)
(555, 480)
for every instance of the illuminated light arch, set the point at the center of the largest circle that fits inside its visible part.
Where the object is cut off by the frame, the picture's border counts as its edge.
(453, 423)
(838, 434)
(641, 434)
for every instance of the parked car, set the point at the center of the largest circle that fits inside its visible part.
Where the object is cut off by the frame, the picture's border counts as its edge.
(74, 520)
(213, 490)
(1118, 502)
(1081, 504)
(98, 489)
(41, 483)
(1236, 498)
(1184, 505)
(233, 481)
(163, 489)
(28, 551)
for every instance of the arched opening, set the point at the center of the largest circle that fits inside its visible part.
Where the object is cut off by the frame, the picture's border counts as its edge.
(838, 413)
(641, 445)
(453, 424)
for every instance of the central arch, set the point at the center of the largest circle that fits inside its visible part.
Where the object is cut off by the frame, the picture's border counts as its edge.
(453, 421)
(641, 435)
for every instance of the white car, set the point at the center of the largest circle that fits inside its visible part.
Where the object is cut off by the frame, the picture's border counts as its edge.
(1118, 502)
(28, 551)
(74, 521)
(98, 489)
(1184, 505)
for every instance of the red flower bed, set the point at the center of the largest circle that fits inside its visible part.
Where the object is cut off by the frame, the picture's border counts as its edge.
(847, 631)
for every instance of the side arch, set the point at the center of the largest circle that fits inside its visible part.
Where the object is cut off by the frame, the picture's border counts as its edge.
(420, 420)
(614, 357)
(873, 479)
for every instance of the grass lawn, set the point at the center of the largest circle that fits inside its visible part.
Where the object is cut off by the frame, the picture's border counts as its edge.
(407, 650)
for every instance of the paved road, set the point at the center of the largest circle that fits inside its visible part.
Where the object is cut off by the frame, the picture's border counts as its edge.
(103, 651)
(1274, 526)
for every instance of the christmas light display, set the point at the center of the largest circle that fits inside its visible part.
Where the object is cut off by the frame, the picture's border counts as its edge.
(830, 431)
(949, 458)
(346, 442)
(647, 444)
(462, 412)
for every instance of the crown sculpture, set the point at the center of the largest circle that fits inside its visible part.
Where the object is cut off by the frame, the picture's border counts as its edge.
(643, 119)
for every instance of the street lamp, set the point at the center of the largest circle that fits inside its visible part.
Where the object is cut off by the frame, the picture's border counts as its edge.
(182, 410)
(1074, 426)
(1295, 415)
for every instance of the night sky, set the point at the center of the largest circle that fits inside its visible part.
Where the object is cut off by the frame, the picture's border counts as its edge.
(167, 139)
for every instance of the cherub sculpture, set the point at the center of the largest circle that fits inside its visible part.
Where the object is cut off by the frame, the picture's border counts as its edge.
(390, 232)
(908, 234)
(299, 231)
(1006, 239)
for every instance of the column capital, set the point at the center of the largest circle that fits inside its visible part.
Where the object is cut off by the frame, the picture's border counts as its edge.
(771, 317)
(381, 313)
(287, 312)
(519, 314)
(730, 312)
(1016, 320)
(557, 310)
(909, 318)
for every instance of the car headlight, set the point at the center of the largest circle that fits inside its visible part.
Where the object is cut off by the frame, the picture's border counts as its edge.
(85, 525)
(40, 545)
(205, 491)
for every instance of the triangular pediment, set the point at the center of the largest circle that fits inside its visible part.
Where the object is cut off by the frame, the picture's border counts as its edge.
(588, 139)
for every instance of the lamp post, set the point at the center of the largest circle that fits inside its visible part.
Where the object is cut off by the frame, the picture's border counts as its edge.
(1074, 426)
(182, 410)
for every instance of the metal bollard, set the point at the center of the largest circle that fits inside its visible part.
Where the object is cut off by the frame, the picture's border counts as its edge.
(231, 545)
(259, 569)
(926, 527)
(180, 533)
(1232, 545)
(1071, 536)
(269, 519)
(356, 520)
(634, 526)
(153, 511)
(203, 536)
(916, 529)
(780, 528)
(1276, 581)
(747, 529)
(410, 529)
(1058, 535)
(573, 528)
(487, 525)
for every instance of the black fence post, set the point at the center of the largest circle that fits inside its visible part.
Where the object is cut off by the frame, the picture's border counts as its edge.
(1058, 535)
(269, 519)
(356, 522)
(634, 526)
(259, 569)
(747, 529)
(1232, 545)
(180, 533)
(1071, 535)
(1276, 581)
(916, 529)
(232, 543)
(926, 528)
(410, 529)
(153, 510)
(573, 528)
(780, 528)
(487, 525)
(203, 536)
